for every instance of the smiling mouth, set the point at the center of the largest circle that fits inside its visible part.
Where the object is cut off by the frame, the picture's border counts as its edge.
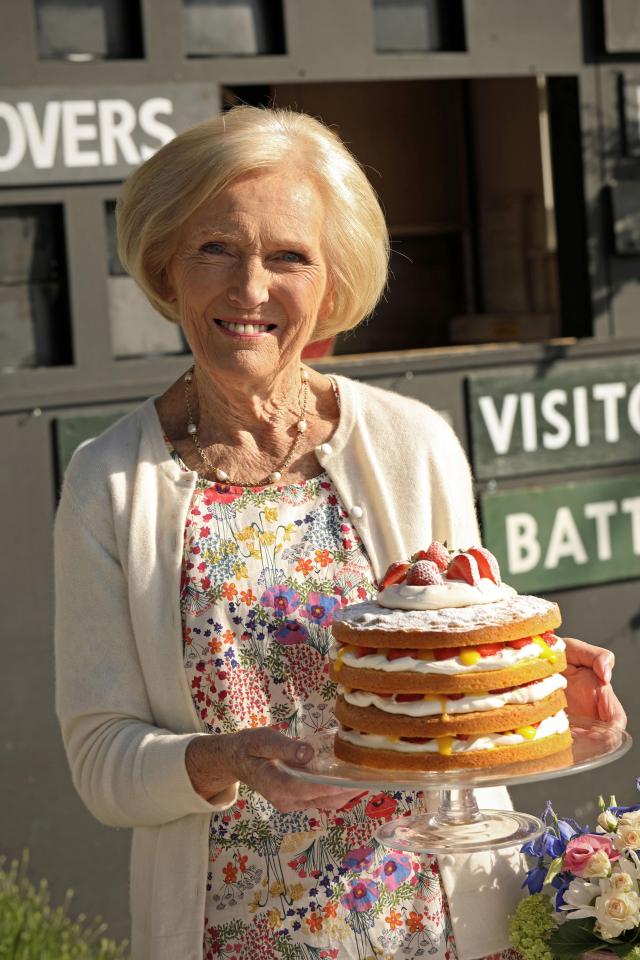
(252, 329)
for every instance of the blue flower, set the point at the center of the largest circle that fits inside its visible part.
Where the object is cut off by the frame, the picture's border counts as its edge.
(620, 810)
(358, 860)
(534, 880)
(319, 608)
(561, 883)
(546, 845)
(290, 633)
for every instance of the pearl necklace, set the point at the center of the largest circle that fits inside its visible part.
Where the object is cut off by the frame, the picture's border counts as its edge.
(218, 472)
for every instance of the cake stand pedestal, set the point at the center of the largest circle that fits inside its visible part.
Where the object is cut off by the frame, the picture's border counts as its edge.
(459, 825)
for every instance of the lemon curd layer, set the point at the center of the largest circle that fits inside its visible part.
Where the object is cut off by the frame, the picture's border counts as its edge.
(447, 745)
(433, 704)
(469, 660)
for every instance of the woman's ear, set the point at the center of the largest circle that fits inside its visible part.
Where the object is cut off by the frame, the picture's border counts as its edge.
(328, 302)
(167, 292)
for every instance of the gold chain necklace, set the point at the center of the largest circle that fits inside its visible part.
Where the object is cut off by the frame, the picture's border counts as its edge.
(218, 472)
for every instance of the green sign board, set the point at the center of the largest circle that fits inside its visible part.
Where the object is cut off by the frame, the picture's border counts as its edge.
(569, 415)
(565, 535)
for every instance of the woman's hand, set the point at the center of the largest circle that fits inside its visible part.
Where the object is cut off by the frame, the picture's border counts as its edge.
(589, 690)
(215, 761)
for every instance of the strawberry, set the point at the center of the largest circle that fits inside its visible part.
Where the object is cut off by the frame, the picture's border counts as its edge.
(363, 651)
(395, 573)
(416, 739)
(424, 573)
(445, 653)
(463, 736)
(488, 649)
(549, 637)
(519, 644)
(464, 567)
(396, 654)
(437, 552)
(455, 696)
(408, 697)
(487, 564)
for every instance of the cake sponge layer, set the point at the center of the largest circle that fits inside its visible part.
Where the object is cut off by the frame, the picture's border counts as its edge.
(510, 717)
(394, 760)
(406, 681)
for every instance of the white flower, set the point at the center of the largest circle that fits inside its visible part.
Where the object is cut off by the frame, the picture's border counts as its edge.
(598, 865)
(578, 898)
(608, 821)
(631, 818)
(616, 912)
(627, 835)
(620, 882)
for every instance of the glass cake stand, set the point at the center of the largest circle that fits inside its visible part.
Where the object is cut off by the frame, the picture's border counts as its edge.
(458, 825)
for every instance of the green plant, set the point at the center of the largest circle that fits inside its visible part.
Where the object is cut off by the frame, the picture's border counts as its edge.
(31, 928)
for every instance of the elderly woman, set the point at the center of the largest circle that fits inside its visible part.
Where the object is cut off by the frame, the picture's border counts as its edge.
(205, 541)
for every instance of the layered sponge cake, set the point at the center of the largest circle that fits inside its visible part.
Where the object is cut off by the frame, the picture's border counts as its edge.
(449, 668)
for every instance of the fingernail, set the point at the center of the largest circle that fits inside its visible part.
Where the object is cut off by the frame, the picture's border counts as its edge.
(302, 752)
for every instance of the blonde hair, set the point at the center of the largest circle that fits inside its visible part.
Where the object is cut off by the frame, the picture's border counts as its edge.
(197, 165)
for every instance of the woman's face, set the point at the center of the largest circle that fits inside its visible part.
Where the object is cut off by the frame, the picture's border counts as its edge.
(249, 275)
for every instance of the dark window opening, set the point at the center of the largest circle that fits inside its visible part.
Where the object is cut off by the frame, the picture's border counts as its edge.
(35, 328)
(85, 30)
(418, 26)
(481, 184)
(233, 28)
(137, 330)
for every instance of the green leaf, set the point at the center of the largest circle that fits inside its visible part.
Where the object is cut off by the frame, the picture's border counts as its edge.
(554, 869)
(572, 938)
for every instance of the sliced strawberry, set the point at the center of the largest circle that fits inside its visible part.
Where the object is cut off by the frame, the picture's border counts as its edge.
(424, 573)
(549, 637)
(419, 555)
(455, 696)
(487, 564)
(464, 567)
(519, 644)
(397, 654)
(416, 739)
(446, 653)
(463, 736)
(363, 651)
(408, 697)
(437, 552)
(488, 649)
(396, 573)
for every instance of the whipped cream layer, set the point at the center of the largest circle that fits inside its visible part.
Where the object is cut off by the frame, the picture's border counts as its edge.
(434, 705)
(559, 723)
(451, 593)
(370, 615)
(452, 666)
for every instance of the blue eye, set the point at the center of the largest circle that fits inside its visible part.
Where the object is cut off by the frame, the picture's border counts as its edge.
(213, 247)
(290, 256)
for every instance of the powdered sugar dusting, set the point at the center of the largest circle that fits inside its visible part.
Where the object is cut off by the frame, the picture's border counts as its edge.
(371, 616)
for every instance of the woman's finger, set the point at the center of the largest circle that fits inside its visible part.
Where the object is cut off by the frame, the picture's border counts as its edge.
(598, 659)
(610, 710)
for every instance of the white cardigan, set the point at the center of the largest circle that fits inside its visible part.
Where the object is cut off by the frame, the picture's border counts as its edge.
(121, 694)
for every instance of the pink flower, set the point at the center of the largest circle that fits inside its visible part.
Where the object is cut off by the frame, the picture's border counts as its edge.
(580, 850)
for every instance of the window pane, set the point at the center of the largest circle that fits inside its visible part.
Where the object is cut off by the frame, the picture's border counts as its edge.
(217, 28)
(88, 29)
(34, 306)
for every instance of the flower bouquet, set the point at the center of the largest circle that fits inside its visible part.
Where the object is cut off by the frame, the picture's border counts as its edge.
(584, 888)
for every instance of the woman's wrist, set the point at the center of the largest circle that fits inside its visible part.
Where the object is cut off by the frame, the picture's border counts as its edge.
(205, 767)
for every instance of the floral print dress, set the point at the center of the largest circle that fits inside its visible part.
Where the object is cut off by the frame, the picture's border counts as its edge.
(264, 570)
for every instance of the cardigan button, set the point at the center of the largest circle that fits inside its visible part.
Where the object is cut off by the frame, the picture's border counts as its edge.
(326, 448)
(356, 512)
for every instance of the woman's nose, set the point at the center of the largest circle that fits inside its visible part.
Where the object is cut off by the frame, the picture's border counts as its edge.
(249, 286)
